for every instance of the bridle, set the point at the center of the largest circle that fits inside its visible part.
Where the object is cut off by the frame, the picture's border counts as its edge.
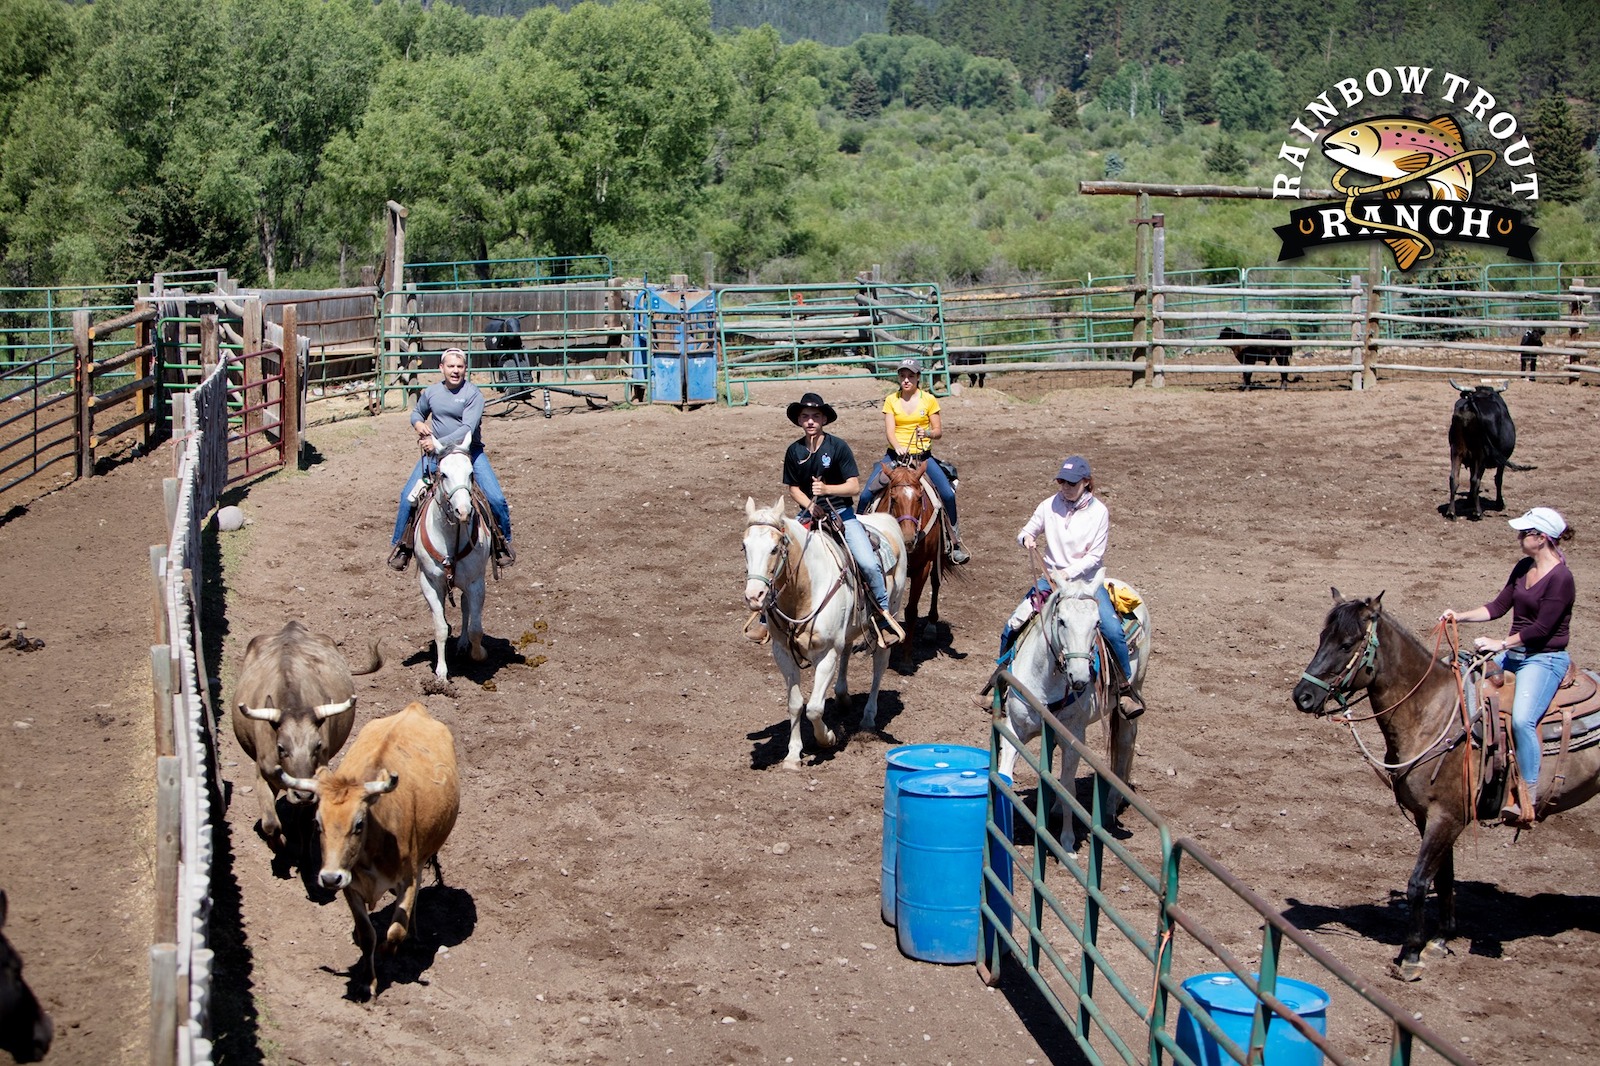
(459, 549)
(791, 628)
(920, 517)
(780, 548)
(1364, 658)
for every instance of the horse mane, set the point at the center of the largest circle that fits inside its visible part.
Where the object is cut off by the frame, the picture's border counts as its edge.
(1344, 620)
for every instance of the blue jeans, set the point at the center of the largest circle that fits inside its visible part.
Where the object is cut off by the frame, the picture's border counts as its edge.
(936, 477)
(482, 473)
(1538, 677)
(860, 545)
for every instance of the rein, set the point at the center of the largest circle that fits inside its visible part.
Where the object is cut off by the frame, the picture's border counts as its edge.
(1365, 658)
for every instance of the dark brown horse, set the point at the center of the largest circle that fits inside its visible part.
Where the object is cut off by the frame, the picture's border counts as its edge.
(924, 530)
(1416, 704)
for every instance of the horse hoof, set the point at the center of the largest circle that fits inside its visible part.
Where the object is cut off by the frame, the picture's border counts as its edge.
(791, 764)
(478, 654)
(1437, 949)
(1407, 971)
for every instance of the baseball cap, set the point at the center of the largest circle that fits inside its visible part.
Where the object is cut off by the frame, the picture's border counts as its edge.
(1074, 470)
(1546, 520)
(909, 364)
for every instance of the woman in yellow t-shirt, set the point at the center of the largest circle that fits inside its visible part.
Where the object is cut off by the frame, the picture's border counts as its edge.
(911, 423)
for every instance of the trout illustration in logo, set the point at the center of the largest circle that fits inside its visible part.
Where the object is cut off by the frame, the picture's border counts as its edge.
(1396, 150)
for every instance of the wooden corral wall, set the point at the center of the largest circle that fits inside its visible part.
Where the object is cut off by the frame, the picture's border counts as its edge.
(188, 797)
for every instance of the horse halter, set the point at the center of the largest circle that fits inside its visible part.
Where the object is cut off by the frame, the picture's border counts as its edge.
(1363, 658)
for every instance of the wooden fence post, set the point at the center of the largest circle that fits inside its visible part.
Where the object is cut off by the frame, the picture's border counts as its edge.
(169, 824)
(83, 387)
(158, 559)
(1158, 303)
(289, 429)
(254, 392)
(393, 298)
(163, 1005)
(1369, 331)
(162, 682)
(147, 401)
(1582, 307)
(1141, 278)
(208, 345)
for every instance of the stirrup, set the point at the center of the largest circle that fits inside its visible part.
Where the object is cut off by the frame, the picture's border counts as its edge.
(400, 558)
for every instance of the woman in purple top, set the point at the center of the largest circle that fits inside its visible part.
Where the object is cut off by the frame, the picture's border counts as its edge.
(1539, 594)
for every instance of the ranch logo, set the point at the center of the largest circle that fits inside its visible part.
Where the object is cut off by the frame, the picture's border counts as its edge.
(1382, 158)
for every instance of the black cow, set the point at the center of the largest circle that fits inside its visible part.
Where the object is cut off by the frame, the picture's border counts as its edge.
(1481, 435)
(1533, 338)
(25, 1029)
(1251, 354)
(974, 377)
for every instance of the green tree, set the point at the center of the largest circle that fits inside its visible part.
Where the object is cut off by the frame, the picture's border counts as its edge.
(1064, 109)
(989, 83)
(302, 74)
(1558, 151)
(906, 18)
(1248, 91)
(864, 100)
(1225, 158)
(768, 142)
(1198, 103)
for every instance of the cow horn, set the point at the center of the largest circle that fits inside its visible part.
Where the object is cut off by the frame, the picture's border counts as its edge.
(387, 784)
(1453, 385)
(324, 711)
(261, 714)
(299, 784)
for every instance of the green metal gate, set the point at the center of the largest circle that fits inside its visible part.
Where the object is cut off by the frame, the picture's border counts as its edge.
(1102, 933)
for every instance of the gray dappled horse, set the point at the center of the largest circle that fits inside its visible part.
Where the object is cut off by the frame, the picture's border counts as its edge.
(1055, 657)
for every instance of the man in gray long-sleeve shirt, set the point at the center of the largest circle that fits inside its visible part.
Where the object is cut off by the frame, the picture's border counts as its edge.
(448, 415)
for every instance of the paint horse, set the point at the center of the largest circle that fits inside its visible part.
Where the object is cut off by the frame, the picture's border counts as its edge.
(453, 553)
(804, 582)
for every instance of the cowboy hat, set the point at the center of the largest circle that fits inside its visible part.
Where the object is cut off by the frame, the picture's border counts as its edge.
(811, 399)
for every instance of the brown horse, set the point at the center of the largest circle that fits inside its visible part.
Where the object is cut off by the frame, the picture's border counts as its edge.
(926, 535)
(1416, 704)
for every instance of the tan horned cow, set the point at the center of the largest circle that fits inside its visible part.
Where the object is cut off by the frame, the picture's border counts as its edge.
(294, 707)
(384, 814)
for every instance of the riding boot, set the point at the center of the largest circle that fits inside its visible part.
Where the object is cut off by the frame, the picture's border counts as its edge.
(889, 631)
(400, 557)
(958, 553)
(504, 554)
(756, 628)
(1135, 703)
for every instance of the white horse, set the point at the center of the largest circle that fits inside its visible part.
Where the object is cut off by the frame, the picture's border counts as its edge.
(815, 613)
(1055, 661)
(453, 552)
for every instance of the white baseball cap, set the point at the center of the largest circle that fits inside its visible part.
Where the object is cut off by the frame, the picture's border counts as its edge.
(1546, 520)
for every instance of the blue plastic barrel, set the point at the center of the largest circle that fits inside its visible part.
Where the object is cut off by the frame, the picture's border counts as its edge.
(1232, 1006)
(910, 759)
(939, 864)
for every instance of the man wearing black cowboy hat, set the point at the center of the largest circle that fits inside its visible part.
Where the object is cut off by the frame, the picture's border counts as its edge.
(820, 466)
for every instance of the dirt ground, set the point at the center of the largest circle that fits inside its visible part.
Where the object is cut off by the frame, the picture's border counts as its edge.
(633, 877)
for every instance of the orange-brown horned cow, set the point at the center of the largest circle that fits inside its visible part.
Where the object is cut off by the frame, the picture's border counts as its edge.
(294, 706)
(384, 814)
